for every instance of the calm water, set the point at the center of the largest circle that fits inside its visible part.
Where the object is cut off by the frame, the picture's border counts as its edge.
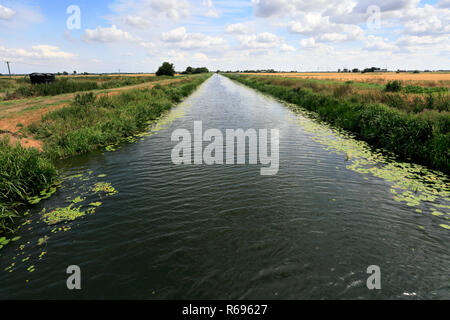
(225, 231)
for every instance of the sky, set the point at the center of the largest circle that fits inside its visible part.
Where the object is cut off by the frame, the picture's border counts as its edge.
(291, 35)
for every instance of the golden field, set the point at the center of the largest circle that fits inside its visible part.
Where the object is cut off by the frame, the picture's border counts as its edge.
(440, 79)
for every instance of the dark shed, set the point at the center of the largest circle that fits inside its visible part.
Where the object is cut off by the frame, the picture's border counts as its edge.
(37, 78)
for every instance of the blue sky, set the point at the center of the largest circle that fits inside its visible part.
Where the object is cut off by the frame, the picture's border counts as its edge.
(137, 35)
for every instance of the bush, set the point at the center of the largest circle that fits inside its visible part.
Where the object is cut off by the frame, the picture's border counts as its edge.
(393, 86)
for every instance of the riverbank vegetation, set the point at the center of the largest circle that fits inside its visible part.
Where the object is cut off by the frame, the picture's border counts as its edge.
(416, 127)
(90, 122)
(22, 88)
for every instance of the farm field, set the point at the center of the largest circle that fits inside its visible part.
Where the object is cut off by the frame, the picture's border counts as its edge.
(422, 79)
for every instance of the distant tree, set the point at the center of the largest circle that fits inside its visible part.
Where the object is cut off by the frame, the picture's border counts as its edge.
(201, 70)
(189, 70)
(355, 70)
(167, 69)
(74, 72)
(65, 73)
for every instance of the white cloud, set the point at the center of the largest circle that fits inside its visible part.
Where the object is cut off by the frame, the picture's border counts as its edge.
(207, 3)
(287, 48)
(173, 9)
(200, 57)
(427, 20)
(36, 52)
(148, 45)
(189, 41)
(314, 24)
(112, 34)
(237, 28)
(198, 40)
(268, 8)
(443, 4)
(385, 5)
(6, 13)
(263, 40)
(137, 22)
(374, 43)
(175, 35)
(308, 43)
(212, 14)
(421, 40)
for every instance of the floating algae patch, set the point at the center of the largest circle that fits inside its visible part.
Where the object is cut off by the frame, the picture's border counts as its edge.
(63, 214)
(411, 184)
(78, 200)
(104, 187)
(95, 204)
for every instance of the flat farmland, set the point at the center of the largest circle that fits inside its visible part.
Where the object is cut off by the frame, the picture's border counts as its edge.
(431, 79)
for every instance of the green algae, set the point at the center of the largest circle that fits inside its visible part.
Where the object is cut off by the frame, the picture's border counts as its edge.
(63, 214)
(78, 200)
(104, 187)
(95, 204)
(411, 184)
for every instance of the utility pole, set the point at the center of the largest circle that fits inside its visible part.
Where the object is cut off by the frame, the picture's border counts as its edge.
(9, 70)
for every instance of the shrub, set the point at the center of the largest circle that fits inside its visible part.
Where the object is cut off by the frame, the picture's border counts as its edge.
(393, 86)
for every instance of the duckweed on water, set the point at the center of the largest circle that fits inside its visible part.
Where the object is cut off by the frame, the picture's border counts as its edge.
(105, 187)
(411, 184)
(95, 204)
(43, 240)
(63, 214)
(78, 200)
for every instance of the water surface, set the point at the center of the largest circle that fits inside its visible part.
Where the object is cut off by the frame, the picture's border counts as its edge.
(225, 231)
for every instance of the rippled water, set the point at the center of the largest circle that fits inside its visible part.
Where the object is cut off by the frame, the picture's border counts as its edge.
(225, 231)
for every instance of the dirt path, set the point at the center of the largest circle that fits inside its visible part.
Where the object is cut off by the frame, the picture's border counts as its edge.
(21, 113)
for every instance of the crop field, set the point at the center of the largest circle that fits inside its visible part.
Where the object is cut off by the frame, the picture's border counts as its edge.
(428, 79)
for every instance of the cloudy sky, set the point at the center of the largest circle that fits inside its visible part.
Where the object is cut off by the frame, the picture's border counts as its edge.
(303, 35)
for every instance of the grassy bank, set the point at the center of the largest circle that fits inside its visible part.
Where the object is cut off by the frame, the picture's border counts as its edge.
(89, 123)
(422, 137)
(22, 88)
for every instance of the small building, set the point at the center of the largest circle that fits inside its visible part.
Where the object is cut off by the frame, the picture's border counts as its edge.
(37, 78)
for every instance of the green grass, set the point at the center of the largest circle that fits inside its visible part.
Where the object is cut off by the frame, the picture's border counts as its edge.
(89, 123)
(24, 173)
(22, 88)
(423, 138)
